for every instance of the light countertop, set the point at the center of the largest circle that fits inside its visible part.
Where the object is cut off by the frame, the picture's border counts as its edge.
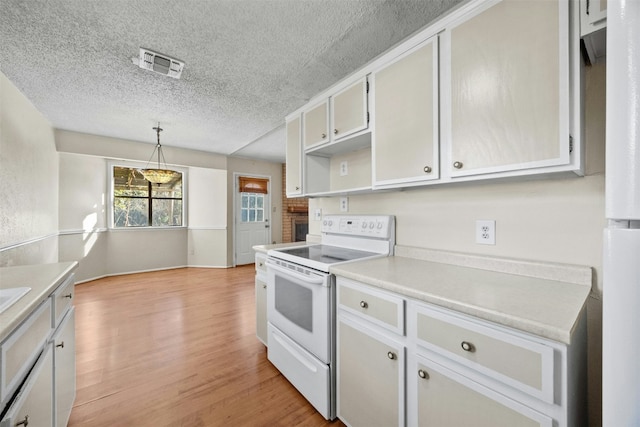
(43, 279)
(541, 306)
(264, 248)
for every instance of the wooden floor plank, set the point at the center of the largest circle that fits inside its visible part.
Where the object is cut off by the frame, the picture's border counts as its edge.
(178, 348)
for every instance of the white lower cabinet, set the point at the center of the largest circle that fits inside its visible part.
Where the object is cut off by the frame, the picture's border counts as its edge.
(403, 362)
(370, 377)
(33, 405)
(445, 399)
(64, 368)
(261, 297)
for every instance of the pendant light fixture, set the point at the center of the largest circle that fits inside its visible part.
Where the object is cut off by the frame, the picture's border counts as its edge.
(158, 175)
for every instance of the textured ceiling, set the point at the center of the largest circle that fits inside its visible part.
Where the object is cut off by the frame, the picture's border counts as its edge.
(248, 63)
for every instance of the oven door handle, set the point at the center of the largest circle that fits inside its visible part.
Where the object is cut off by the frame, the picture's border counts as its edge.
(317, 280)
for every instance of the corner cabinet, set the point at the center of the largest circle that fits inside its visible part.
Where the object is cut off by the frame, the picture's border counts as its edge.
(294, 158)
(455, 369)
(406, 115)
(338, 160)
(506, 88)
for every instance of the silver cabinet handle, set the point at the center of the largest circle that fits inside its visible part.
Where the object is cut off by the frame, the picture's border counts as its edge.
(457, 165)
(427, 169)
(24, 422)
(364, 304)
(467, 346)
(423, 374)
(335, 131)
(391, 355)
(260, 264)
(324, 135)
(61, 345)
(69, 296)
(297, 188)
(264, 286)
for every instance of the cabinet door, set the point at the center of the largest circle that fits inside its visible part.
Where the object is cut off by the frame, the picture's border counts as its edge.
(316, 125)
(34, 404)
(446, 398)
(593, 16)
(349, 108)
(261, 308)
(64, 362)
(509, 88)
(293, 158)
(370, 377)
(405, 144)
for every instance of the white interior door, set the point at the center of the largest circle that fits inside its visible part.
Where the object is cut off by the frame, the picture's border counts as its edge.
(252, 224)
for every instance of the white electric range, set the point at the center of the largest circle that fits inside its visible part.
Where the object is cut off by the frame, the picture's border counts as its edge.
(301, 299)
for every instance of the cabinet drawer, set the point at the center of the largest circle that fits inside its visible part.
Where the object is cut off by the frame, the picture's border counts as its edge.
(34, 404)
(514, 360)
(21, 348)
(62, 299)
(261, 265)
(376, 306)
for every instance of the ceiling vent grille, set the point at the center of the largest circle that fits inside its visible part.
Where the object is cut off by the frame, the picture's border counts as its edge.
(153, 61)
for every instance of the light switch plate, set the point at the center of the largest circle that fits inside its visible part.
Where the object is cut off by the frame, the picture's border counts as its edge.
(317, 214)
(344, 168)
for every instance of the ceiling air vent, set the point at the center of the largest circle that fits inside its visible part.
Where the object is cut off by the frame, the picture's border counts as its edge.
(153, 61)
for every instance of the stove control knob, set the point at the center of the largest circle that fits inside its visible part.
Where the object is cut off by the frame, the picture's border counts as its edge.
(372, 224)
(324, 222)
(364, 224)
(380, 225)
(330, 223)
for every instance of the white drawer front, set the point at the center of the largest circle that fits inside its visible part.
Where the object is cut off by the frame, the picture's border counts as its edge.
(62, 299)
(514, 360)
(20, 349)
(381, 308)
(261, 263)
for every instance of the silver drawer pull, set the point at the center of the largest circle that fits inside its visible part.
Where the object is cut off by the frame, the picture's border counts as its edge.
(457, 165)
(335, 131)
(427, 169)
(391, 355)
(423, 374)
(24, 422)
(69, 296)
(467, 346)
(264, 286)
(324, 135)
(61, 345)
(364, 304)
(260, 264)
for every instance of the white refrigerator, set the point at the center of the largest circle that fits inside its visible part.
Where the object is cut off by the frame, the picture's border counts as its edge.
(621, 263)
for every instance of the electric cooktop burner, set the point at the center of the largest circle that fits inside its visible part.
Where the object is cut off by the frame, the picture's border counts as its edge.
(327, 254)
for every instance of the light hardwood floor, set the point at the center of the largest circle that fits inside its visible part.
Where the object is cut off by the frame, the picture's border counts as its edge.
(178, 348)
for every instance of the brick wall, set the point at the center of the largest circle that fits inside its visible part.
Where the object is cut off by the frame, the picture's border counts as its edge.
(294, 203)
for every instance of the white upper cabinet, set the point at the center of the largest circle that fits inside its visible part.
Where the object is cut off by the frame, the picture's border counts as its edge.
(349, 109)
(593, 16)
(405, 140)
(507, 88)
(294, 158)
(316, 125)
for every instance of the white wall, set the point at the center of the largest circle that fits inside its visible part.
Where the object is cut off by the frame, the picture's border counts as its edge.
(29, 177)
(556, 220)
(207, 237)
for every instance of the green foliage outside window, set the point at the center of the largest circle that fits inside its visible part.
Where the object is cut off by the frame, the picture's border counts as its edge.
(139, 203)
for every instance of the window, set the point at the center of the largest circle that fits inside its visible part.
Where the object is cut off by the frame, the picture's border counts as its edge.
(252, 208)
(138, 203)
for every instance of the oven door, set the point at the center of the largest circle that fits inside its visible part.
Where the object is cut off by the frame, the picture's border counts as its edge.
(299, 303)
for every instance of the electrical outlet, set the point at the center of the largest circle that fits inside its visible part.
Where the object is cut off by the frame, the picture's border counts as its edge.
(344, 204)
(486, 232)
(344, 168)
(318, 214)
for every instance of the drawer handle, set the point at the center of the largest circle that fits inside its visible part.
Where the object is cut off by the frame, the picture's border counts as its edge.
(391, 355)
(61, 345)
(264, 286)
(423, 374)
(324, 135)
(364, 304)
(427, 169)
(335, 131)
(457, 165)
(24, 422)
(69, 296)
(260, 264)
(297, 188)
(467, 346)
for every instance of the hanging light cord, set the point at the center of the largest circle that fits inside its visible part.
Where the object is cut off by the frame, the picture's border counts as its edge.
(158, 148)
